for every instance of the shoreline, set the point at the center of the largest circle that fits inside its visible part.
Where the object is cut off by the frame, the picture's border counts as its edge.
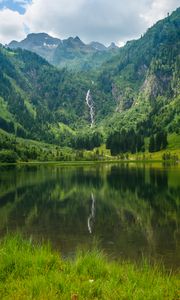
(91, 162)
(86, 162)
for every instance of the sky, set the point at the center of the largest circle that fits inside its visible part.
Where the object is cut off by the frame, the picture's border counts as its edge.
(92, 20)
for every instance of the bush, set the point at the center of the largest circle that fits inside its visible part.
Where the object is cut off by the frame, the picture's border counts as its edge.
(8, 156)
(168, 156)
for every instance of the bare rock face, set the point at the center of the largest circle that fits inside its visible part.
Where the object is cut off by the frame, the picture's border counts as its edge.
(40, 43)
(98, 46)
(124, 98)
(113, 46)
(155, 86)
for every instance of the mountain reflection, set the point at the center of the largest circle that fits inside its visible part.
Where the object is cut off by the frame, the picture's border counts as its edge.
(137, 208)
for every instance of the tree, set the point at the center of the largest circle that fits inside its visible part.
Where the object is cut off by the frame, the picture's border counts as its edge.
(125, 141)
(158, 141)
(152, 144)
(161, 140)
(8, 156)
(164, 140)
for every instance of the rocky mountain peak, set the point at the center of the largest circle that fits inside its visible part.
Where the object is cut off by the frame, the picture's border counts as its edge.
(113, 46)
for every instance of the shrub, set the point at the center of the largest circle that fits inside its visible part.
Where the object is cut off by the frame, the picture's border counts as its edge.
(8, 156)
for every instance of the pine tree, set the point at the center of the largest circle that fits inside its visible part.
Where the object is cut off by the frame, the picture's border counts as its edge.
(158, 141)
(164, 140)
(152, 144)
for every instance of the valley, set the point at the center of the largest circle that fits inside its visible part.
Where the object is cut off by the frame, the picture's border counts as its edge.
(89, 150)
(132, 94)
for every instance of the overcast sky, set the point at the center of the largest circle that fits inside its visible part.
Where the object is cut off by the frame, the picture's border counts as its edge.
(92, 20)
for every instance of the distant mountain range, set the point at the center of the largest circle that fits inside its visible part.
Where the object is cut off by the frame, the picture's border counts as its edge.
(71, 53)
(136, 86)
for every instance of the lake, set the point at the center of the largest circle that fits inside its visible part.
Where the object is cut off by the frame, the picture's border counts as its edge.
(130, 210)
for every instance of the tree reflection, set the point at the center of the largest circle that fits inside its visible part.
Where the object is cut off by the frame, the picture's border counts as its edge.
(135, 206)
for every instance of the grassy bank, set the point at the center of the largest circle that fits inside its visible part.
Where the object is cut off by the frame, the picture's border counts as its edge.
(36, 272)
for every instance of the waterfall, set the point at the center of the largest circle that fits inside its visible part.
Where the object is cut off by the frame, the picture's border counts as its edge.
(92, 214)
(90, 104)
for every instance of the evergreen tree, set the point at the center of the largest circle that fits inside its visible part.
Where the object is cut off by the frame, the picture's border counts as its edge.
(164, 140)
(161, 140)
(152, 144)
(140, 143)
(125, 141)
(158, 141)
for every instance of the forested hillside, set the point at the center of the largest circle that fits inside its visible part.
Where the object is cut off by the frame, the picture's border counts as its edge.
(135, 94)
(144, 78)
(40, 102)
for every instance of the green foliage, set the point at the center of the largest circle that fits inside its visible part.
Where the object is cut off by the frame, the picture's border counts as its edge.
(28, 150)
(8, 156)
(152, 144)
(122, 142)
(87, 140)
(158, 142)
(168, 156)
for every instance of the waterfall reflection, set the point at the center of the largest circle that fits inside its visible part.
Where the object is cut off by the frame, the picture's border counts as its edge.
(91, 217)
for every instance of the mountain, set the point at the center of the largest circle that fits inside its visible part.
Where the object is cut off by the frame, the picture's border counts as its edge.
(98, 46)
(40, 102)
(40, 43)
(71, 53)
(113, 46)
(144, 78)
(136, 89)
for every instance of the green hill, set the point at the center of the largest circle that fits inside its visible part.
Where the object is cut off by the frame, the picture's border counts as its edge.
(144, 78)
(36, 97)
(135, 94)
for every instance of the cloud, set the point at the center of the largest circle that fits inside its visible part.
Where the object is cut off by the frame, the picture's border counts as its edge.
(158, 9)
(102, 20)
(99, 20)
(11, 25)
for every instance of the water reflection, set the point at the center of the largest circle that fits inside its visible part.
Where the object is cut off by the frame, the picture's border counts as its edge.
(131, 209)
(91, 218)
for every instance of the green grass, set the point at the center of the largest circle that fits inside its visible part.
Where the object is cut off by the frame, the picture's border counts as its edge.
(173, 147)
(29, 271)
(174, 141)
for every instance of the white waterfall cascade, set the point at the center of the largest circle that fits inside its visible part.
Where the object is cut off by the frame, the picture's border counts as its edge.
(92, 215)
(90, 104)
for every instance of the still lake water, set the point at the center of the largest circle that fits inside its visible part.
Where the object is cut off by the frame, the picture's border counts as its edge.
(130, 209)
